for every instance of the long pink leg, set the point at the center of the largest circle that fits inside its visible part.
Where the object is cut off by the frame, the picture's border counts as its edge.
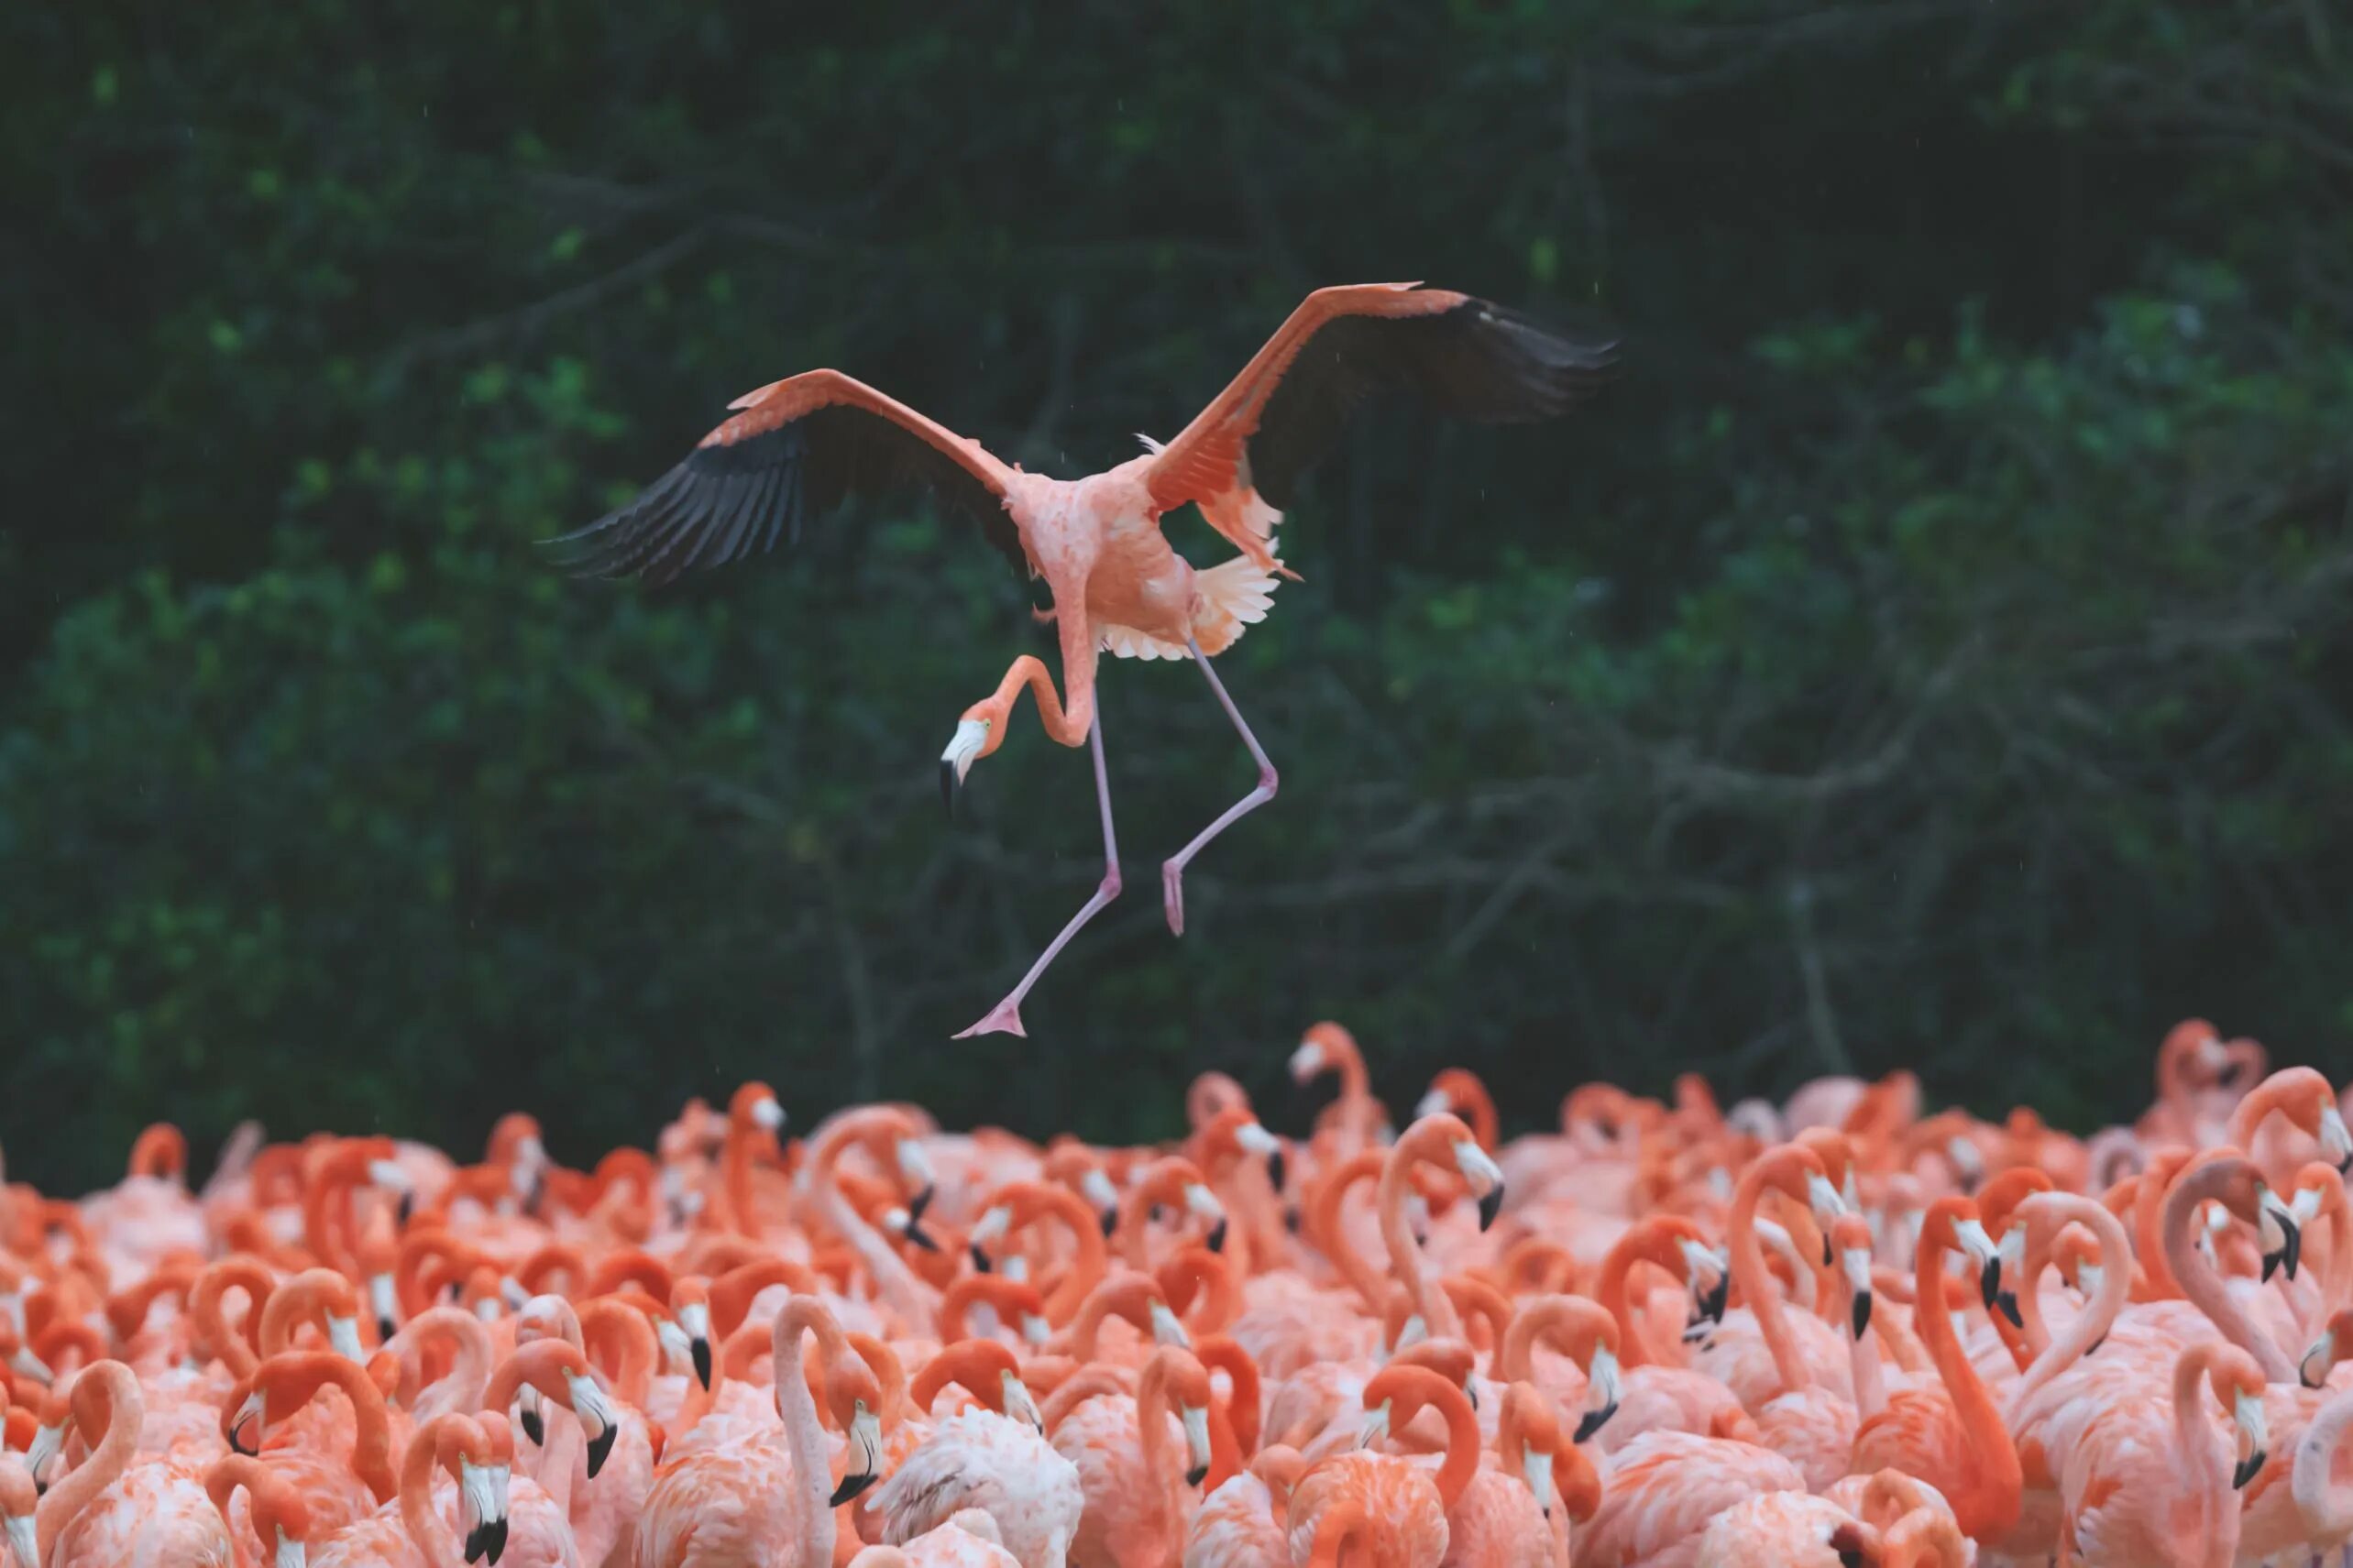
(1004, 1018)
(1173, 868)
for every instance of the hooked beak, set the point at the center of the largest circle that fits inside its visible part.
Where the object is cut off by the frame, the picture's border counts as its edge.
(487, 1542)
(1110, 1221)
(1491, 1203)
(1712, 1301)
(980, 1257)
(698, 1352)
(918, 1203)
(1197, 1438)
(1603, 1388)
(600, 1448)
(865, 1457)
(534, 1426)
(2247, 1411)
(1217, 1235)
(970, 735)
(1861, 1314)
(2289, 1256)
(245, 1436)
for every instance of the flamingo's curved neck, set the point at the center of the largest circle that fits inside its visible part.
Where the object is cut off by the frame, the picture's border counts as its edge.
(1643, 1243)
(895, 1280)
(1405, 1254)
(64, 1501)
(2098, 1316)
(1331, 1228)
(434, 1540)
(812, 1467)
(1750, 1274)
(2201, 1286)
(1989, 1502)
(1462, 1451)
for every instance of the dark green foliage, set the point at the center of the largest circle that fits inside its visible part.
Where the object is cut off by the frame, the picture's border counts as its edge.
(1935, 651)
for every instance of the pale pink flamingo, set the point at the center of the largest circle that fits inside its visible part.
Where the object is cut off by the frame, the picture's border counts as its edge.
(994, 1458)
(1661, 1491)
(968, 1539)
(889, 1137)
(416, 1531)
(2150, 1486)
(1139, 1485)
(1506, 1517)
(798, 446)
(1353, 1122)
(1443, 1141)
(1784, 1529)
(111, 1512)
(2226, 1177)
(2302, 1099)
(1240, 1523)
(755, 1506)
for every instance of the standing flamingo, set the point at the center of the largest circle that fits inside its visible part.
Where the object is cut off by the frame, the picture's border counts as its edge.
(800, 446)
(2150, 1486)
(1138, 1493)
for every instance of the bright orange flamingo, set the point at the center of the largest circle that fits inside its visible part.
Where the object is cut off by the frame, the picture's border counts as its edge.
(798, 447)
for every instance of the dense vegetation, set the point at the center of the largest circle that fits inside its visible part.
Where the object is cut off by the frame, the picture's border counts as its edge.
(1935, 650)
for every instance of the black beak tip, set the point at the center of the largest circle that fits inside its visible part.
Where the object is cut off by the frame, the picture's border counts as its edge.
(1828, 1257)
(1490, 1205)
(2345, 1165)
(1217, 1236)
(919, 1205)
(700, 1353)
(600, 1449)
(980, 1258)
(918, 1236)
(1593, 1422)
(1195, 1476)
(534, 1427)
(238, 1438)
(850, 1486)
(1290, 1220)
(475, 1543)
(1110, 1221)
(2294, 1249)
(1989, 1282)
(385, 1329)
(1861, 1314)
(1712, 1305)
(2008, 1300)
(2246, 1470)
(1276, 1168)
(40, 1488)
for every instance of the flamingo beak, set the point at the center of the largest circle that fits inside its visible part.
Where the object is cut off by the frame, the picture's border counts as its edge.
(1196, 1439)
(1491, 1203)
(1275, 1168)
(600, 1448)
(979, 1255)
(1217, 1235)
(1861, 1314)
(2247, 1411)
(865, 1456)
(2289, 1256)
(956, 762)
(2311, 1371)
(698, 1351)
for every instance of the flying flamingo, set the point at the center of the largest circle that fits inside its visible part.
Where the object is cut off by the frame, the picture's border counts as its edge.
(801, 446)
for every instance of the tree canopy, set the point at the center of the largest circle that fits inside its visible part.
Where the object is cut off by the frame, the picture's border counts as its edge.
(1932, 651)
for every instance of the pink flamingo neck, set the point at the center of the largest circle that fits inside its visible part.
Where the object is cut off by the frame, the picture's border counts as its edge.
(812, 1467)
(117, 1393)
(2326, 1510)
(1989, 1503)
(2200, 1285)
(435, 1540)
(1748, 1271)
(1405, 1261)
(2098, 1316)
(905, 1294)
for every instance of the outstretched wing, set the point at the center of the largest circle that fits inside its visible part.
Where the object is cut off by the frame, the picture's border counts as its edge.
(1465, 358)
(796, 450)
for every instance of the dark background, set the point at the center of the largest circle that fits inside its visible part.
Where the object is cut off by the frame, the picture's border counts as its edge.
(1933, 652)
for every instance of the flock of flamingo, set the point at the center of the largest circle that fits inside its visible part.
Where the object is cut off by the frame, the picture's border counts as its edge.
(1838, 1331)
